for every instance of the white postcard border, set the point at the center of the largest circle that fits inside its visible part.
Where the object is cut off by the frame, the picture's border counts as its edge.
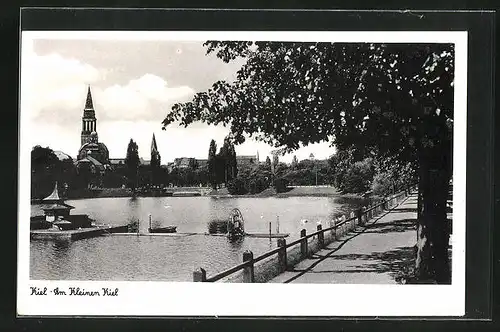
(217, 299)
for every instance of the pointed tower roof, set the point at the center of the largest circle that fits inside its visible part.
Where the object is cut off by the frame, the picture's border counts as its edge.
(54, 202)
(54, 196)
(88, 103)
(154, 148)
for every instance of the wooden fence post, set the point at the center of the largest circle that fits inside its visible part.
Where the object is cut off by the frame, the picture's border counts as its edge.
(282, 255)
(248, 275)
(360, 217)
(321, 237)
(303, 243)
(333, 232)
(200, 275)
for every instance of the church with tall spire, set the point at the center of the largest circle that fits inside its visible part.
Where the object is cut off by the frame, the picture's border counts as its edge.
(92, 152)
(155, 154)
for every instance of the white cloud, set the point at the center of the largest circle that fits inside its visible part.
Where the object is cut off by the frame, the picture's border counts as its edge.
(54, 90)
(51, 82)
(147, 97)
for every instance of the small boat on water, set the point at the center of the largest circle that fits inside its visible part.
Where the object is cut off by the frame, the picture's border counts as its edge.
(167, 229)
(164, 229)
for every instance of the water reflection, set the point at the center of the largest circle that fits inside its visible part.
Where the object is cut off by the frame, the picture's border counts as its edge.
(236, 243)
(60, 248)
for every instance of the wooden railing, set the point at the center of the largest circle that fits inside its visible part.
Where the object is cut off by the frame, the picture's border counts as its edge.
(360, 217)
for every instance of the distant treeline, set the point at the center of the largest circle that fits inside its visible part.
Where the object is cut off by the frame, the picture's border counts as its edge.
(348, 170)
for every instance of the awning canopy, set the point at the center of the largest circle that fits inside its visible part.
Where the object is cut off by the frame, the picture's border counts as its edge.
(56, 206)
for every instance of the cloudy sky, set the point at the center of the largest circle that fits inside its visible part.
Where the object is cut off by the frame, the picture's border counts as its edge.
(134, 84)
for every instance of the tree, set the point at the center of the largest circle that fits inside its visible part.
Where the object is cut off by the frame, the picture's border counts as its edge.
(340, 164)
(281, 185)
(268, 162)
(359, 176)
(275, 162)
(227, 160)
(237, 186)
(233, 164)
(396, 98)
(212, 164)
(132, 162)
(87, 175)
(47, 168)
(201, 175)
(44, 171)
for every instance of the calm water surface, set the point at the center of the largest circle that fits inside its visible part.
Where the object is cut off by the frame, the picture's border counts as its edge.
(174, 258)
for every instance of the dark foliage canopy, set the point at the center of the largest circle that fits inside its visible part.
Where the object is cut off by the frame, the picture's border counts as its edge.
(391, 97)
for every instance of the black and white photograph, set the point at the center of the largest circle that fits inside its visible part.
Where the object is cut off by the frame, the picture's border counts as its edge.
(218, 165)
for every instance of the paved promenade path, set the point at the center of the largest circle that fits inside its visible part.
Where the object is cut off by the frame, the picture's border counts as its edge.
(378, 253)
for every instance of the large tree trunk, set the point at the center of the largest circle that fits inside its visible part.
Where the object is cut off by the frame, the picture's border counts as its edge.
(432, 263)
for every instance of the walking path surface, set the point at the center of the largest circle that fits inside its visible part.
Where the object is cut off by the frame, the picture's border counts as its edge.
(378, 253)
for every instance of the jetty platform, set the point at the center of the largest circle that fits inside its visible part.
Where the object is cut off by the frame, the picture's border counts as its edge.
(258, 235)
(75, 234)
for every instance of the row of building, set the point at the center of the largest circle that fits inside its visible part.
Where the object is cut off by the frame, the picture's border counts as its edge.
(187, 162)
(96, 155)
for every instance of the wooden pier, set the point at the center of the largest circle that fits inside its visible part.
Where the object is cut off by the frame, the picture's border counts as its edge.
(75, 234)
(257, 235)
(132, 234)
(267, 235)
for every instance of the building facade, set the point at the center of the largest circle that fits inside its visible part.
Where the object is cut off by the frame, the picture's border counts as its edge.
(247, 160)
(184, 162)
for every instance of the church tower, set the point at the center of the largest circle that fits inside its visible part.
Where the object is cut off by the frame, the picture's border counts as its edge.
(155, 154)
(89, 121)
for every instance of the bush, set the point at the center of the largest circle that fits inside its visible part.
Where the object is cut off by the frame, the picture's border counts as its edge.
(236, 187)
(359, 177)
(382, 184)
(280, 185)
(257, 185)
(217, 227)
(133, 226)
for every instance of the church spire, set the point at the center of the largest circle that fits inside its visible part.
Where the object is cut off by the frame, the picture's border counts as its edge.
(155, 155)
(89, 121)
(88, 103)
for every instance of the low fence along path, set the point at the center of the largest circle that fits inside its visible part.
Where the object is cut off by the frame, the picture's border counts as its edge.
(286, 257)
(379, 252)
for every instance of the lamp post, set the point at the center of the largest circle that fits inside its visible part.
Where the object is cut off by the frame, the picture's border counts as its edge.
(311, 158)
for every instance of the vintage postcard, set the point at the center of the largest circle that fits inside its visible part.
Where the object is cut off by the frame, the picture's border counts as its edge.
(182, 173)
